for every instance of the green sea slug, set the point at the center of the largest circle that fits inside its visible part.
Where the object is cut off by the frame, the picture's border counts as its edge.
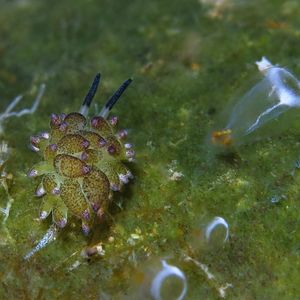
(83, 161)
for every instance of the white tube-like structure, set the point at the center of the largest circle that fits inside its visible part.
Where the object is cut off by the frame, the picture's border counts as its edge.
(166, 272)
(217, 221)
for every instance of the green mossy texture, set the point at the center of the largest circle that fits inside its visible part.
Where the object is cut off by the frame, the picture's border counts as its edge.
(187, 59)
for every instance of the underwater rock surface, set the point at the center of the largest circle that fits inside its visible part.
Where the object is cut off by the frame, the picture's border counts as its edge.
(187, 59)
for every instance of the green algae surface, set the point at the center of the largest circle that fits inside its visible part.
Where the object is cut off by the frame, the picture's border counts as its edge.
(187, 59)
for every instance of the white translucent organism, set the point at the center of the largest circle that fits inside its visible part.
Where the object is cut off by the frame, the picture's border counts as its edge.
(216, 222)
(49, 237)
(167, 272)
(276, 93)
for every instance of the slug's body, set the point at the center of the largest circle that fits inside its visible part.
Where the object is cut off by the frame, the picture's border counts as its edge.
(83, 162)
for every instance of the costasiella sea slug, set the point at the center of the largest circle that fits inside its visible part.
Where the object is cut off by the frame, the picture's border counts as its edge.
(83, 162)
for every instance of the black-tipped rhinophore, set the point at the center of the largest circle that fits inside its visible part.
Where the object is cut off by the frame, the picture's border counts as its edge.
(116, 96)
(92, 91)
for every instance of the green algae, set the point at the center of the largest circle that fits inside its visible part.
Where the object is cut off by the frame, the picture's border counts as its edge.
(187, 59)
